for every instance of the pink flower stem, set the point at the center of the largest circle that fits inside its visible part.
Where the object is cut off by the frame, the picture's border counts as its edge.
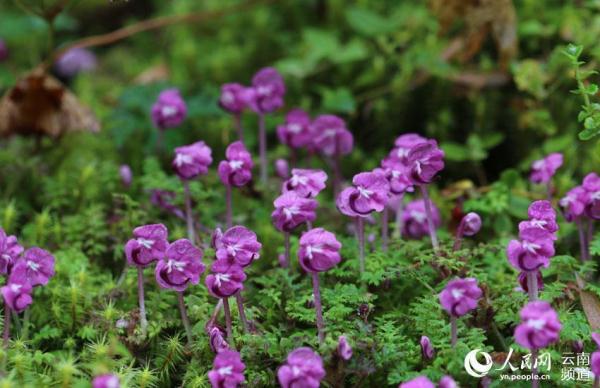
(240, 305)
(188, 212)
(453, 330)
(184, 318)
(237, 118)
(6, 335)
(262, 146)
(143, 320)
(308, 225)
(384, 228)
(228, 321)
(399, 223)
(532, 286)
(360, 235)
(286, 241)
(228, 204)
(535, 383)
(597, 382)
(582, 239)
(214, 315)
(430, 224)
(549, 190)
(459, 236)
(318, 307)
(337, 175)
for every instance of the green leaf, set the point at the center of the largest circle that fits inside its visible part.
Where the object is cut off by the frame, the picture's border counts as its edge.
(338, 100)
(455, 152)
(369, 23)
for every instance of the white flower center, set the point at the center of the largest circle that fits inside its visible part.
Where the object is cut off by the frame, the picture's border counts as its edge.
(225, 371)
(296, 371)
(296, 180)
(289, 212)
(222, 277)
(5, 256)
(33, 265)
(457, 293)
(264, 90)
(596, 195)
(236, 164)
(294, 128)
(168, 111)
(15, 287)
(538, 164)
(364, 192)
(112, 382)
(227, 98)
(233, 249)
(402, 152)
(313, 249)
(181, 159)
(419, 217)
(329, 132)
(418, 166)
(530, 247)
(145, 242)
(178, 265)
(536, 324)
(539, 223)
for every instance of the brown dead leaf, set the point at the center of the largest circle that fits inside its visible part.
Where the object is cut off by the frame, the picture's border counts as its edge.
(482, 18)
(40, 105)
(153, 74)
(591, 307)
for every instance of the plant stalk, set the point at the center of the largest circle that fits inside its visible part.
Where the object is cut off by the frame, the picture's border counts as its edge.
(360, 235)
(6, 334)
(143, 320)
(318, 307)
(228, 328)
(430, 224)
(240, 305)
(228, 216)
(384, 228)
(184, 318)
(262, 146)
(532, 286)
(286, 241)
(237, 118)
(453, 331)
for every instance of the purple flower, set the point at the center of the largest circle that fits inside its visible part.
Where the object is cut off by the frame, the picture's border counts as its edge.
(304, 368)
(217, 339)
(126, 175)
(414, 219)
(149, 244)
(37, 265)
(292, 210)
(595, 363)
(539, 326)
(180, 266)
(228, 370)
(238, 245)
(533, 251)
(192, 160)
(10, 251)
(225, 279)
(268, 90)
(424, 161)
(396, 174)
(234, 98)
(522, 279)
(426, 348)
(169, 110)
(470, 224)
(541, 215)
(344, 350)
(330, 136)
(404, 144)
(319, 250)
(306, 183)
(577, 346)
(591, 184)
(418, 382)
(282, 168)
(596, 338)
(369, 193)
(3, 51)
(237, 169)
(447, 382)
(544, 169)
(296, 132)
(573, 204)
(164, 200)
(106, 381)
(75, 61)
(460, 296)
(17, 291)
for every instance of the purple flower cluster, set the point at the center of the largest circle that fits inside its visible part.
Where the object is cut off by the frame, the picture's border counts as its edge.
(595, 358)
(306, 183)
(265, 95)
(326, 134)
(414, 219)
(169, 110)
(369, 193)
(424, 382)
(237, 169)
(539, 326)
(24, 269)
(544, 169)
(583, 201)
(303, 368)
(460, 296)
(319, 250)
(228, 370)
(192, 160)
(75, 61)
(535, 245)
(292, 210)
(108, 380)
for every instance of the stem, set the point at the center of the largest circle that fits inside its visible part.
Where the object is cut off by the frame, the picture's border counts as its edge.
(6, 335)
(534, 382)
(459, 235)
(430, 224)
(188, 212)
(184, 318)
(228, 321)
(582, 239)
(453, 331)
(532, 286)
(597, 382)
(286, 240)
(384, 228)
(143, 320)
(360, 234)
(308, 225)
(228, 204)
(318, 307)
(240, 305)
(26, 318)
(237, 118)
(214, 315)
(262, 146)
(549, 190)
(399, 223)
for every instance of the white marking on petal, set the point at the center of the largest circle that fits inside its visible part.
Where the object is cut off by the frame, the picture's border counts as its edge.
(225, 371)
(457, 293)
(145, 242)
(33, 265)
(537, 324)
(181, 159)
(236, 164)
(168, 111)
